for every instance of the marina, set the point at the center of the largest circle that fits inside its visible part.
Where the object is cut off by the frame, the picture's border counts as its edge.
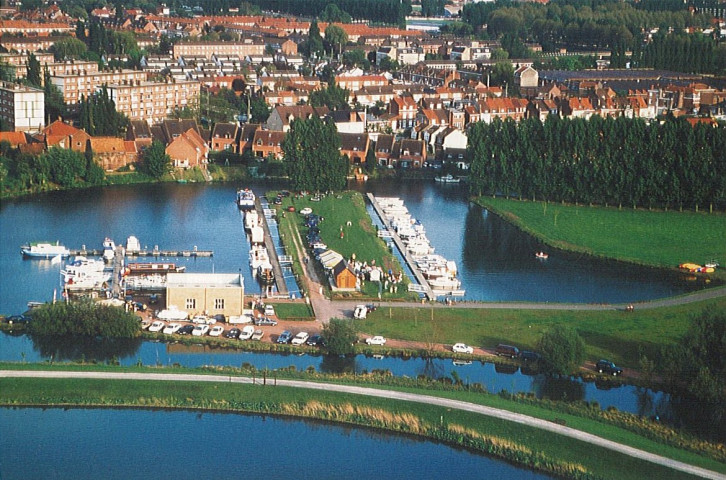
(435, 275)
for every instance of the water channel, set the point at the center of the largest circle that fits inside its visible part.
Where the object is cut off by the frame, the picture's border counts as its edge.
(74, 444)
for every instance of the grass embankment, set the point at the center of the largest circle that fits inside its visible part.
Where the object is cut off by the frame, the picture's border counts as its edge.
(655, 238)
(620, 336)
(293, 311)
(343, 213)
(514, 442)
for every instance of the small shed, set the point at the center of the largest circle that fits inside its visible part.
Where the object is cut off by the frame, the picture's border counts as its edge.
(344, 276)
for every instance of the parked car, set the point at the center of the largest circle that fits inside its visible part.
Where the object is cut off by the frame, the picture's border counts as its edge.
(216, 331)
(200, 319)
(257, 335)
(377, 340)
(300, 338)
(185, 330)
(265, 321)
(527, 356)
(507, 351)
(219, 318)
(200, 330)
(17, 319)
(157, 326)
(232, 333)
(462, 348)
(247, 332)
(360, 312)
(315, 340)
(269, 311)
(145, 323)
(172, 328)
(284, 337)
(606, 366)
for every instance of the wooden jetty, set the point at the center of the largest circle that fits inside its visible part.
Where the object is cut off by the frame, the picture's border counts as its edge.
(271, 252)
(424, 286)
(156, 252)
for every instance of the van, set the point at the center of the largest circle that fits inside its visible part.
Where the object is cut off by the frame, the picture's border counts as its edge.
(507, 351)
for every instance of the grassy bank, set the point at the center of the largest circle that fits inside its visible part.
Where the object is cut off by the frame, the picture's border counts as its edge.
(620, 336)
(657, 238)
(347, 229)
(520, 444)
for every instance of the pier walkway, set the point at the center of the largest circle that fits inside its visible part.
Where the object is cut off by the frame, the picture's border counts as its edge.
(424, 288)
(96, 252)
(117, 276)
(270, 246)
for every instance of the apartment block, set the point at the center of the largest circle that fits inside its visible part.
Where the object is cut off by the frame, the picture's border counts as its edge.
(19, 61)
(86, 83)
(153, 101)
(240, 49)
(22, 108)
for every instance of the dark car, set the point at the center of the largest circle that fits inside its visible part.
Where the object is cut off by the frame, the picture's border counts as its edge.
(14, 319)
(232, 333)
(316, 341)
(507, 351)
(285, 337)
(185, 330)
(265, 321)
(606, 366)
(527, 356)
(219, 318)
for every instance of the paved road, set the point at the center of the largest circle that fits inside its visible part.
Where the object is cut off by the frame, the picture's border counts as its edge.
(411, 397)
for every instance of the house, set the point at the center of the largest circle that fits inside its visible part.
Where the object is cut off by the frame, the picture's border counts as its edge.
(139, 132)
(348, 121)
(526, 76)
(355, 146)
(224, 137)
(281, 117)
(188, 150)
(410, 153)
(112, 153)
(268, 142)
(344, 278)
(384, 150)
(209, 293)
(405, 109)
(247, 136)
(63, 135)
(15, 139)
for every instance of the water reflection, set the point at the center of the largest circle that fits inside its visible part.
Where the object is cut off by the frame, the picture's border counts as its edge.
(554, 387)
(100, 350)
(338, 364)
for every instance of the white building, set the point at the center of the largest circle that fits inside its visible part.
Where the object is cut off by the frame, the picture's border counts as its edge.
(22, 108)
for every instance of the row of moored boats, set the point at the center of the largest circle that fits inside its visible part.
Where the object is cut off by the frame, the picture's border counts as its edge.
(438, 271)
(259, 257)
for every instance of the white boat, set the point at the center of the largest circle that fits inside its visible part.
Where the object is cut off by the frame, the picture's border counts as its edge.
(245, 199)
(258, 256)
(84, 269)
(109, 249)
(257, 235)
(44, 250)
(172, 313)
(444, 283)
(447, 179)
(251, 219)
(133, 244)
(265, 274)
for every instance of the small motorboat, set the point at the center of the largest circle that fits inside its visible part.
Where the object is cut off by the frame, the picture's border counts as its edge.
(542, 255)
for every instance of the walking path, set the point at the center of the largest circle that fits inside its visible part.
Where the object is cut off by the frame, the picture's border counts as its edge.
(389, 394)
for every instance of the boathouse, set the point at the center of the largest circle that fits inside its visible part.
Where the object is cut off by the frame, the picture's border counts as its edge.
(208, 293)
(344, 277)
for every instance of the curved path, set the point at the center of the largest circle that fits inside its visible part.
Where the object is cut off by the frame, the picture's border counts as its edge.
(410, 397)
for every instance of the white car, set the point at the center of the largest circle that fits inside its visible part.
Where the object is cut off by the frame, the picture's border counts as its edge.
(204, 320)
(172, 328)
(200, 330)
(216, 331)
(300, 338)
(247, 332)
(360, 312)
(462, 348)
(258, 335)
(156, 326)
(269, 311)
(377, 340)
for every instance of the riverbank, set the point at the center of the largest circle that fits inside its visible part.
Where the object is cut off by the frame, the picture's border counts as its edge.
(556, 454)
(663, 239)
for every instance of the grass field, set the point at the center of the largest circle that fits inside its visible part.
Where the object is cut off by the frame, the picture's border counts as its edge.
(620, 336)
(404, 417)
(659, 238)
(294, 311)
(345, 214)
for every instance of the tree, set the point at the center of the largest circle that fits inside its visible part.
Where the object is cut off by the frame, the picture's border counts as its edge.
(68, 47)
(155, 161)
(562, 348)
(340, 336)
(66, 167)
(33, 76)
(312, 155)
(335, 37)
(334, 97)
(315, 41)
(55, 107)
(332, 14)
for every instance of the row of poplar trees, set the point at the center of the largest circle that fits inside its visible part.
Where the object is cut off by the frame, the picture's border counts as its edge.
(606, 161)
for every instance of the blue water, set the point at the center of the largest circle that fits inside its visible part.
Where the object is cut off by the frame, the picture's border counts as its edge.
(496, 261)
(122, 444)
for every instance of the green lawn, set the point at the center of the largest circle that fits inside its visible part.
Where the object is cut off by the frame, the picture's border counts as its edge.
(344, 213)
(659, 238)
(294, 311)
(381, 412)
(617, 335)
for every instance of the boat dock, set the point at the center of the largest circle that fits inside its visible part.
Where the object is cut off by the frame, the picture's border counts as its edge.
(155, 252)
(271, 252)
(424, 286)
